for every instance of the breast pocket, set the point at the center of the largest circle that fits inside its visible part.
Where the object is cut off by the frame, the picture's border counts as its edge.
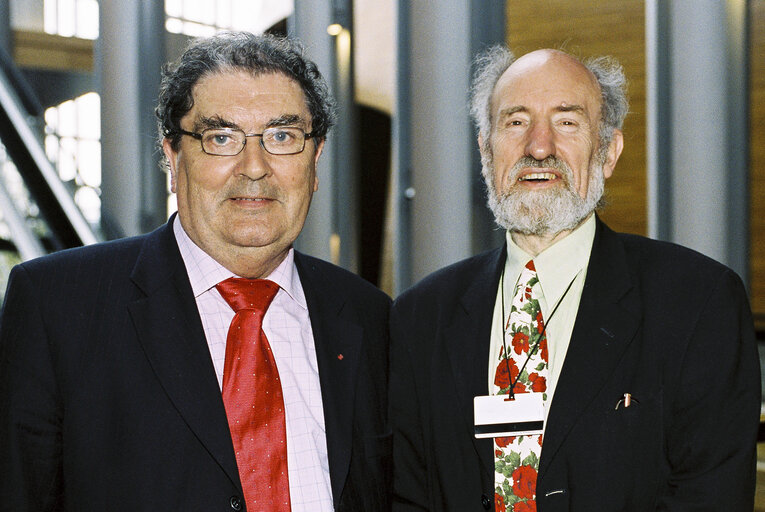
(631, 447)
(623, 443)
(637, 416)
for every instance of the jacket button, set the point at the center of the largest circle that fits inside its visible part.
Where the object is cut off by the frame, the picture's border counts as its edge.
(486, 502)
(236, 503)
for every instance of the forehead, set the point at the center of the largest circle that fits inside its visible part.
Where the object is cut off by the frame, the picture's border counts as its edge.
(547, 80)
(244, 99)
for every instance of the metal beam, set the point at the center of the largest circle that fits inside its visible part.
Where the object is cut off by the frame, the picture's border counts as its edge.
(56, 204)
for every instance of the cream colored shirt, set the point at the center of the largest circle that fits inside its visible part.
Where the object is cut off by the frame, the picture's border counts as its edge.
(557, 266)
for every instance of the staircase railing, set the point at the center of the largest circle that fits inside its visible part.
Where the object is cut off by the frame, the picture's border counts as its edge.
(67, 224)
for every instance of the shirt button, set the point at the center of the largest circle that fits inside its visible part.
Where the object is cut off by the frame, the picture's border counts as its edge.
(486, 502)
(236, 503)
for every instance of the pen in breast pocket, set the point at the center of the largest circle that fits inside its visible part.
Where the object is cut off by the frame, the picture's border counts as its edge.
(627, 400)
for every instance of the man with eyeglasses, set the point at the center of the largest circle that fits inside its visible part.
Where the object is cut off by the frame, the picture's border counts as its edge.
(207, 365)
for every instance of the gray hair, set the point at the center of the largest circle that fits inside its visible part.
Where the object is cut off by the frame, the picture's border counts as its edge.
(490, 64)
(256, 54)
(613, 90)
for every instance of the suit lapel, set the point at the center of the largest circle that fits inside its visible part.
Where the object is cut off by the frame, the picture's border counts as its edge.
(171, 334)
(606, 323)
(338, 336)
(466, 339)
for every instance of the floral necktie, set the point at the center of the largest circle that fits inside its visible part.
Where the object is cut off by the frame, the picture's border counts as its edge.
(516, 458)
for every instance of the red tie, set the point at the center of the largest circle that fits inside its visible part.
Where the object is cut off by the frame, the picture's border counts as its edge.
(252, 394)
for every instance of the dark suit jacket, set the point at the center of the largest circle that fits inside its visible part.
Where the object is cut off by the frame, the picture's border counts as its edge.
(109, 400)
(659, 321)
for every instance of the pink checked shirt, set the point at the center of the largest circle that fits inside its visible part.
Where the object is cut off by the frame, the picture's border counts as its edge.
(288, 328)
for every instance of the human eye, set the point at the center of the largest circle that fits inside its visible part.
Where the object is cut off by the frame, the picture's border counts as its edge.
(221, 140)
(283, 140)
(513, 121)
(568, 124)
(281, 136)
(218, 137)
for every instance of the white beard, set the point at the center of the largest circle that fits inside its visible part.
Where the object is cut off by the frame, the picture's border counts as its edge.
(544, 212)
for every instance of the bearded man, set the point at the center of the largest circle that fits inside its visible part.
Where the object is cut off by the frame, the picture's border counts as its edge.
(574, 368)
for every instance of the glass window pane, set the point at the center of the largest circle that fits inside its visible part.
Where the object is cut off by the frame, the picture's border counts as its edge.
(50, 18)
(258, 15)
(242, 13)
(174, 26)
(67, 161)
(67, 119)
(89, 160)
(73, 142)
(51, 118)
(197, 29)
(67, 20)
(51, 148)
(90, 204)
(174, 8)
(88, 114)
(202, 11)
(13, 182)
(223, 13)
(87, 19)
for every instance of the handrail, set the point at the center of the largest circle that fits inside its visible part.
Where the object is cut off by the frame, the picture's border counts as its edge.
(17, 80)
(55, 202)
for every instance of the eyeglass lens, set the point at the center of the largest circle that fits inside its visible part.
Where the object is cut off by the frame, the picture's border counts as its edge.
(229, 142)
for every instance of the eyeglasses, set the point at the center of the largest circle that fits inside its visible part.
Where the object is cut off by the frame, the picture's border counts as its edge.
(281, 140)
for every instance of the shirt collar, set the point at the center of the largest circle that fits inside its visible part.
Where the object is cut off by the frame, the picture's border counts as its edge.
(558, 265)
(205, 272)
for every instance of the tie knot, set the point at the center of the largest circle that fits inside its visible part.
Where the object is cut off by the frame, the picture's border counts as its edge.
(527, 281)
(254, 294)
(528, 273)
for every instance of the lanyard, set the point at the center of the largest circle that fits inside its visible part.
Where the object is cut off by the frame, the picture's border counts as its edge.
(541, 335)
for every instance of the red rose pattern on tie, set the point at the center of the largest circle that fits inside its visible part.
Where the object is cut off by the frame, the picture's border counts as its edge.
(516, 458)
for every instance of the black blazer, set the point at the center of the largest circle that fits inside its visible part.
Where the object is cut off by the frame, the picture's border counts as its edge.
(656, 320)
(109, 400)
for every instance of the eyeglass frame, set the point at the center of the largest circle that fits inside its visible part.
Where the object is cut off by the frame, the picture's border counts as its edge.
(200, 135)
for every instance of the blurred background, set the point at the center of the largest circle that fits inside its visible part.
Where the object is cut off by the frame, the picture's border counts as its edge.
(400, 192)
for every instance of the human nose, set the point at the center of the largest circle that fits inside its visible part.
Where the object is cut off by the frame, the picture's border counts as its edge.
(540, 143)
(254, 161)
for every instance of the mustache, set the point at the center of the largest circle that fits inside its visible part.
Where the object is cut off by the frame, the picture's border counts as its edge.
(550, 162)
(254, 189)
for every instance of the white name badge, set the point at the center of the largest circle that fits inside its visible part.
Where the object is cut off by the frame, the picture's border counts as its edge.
(496, 416)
